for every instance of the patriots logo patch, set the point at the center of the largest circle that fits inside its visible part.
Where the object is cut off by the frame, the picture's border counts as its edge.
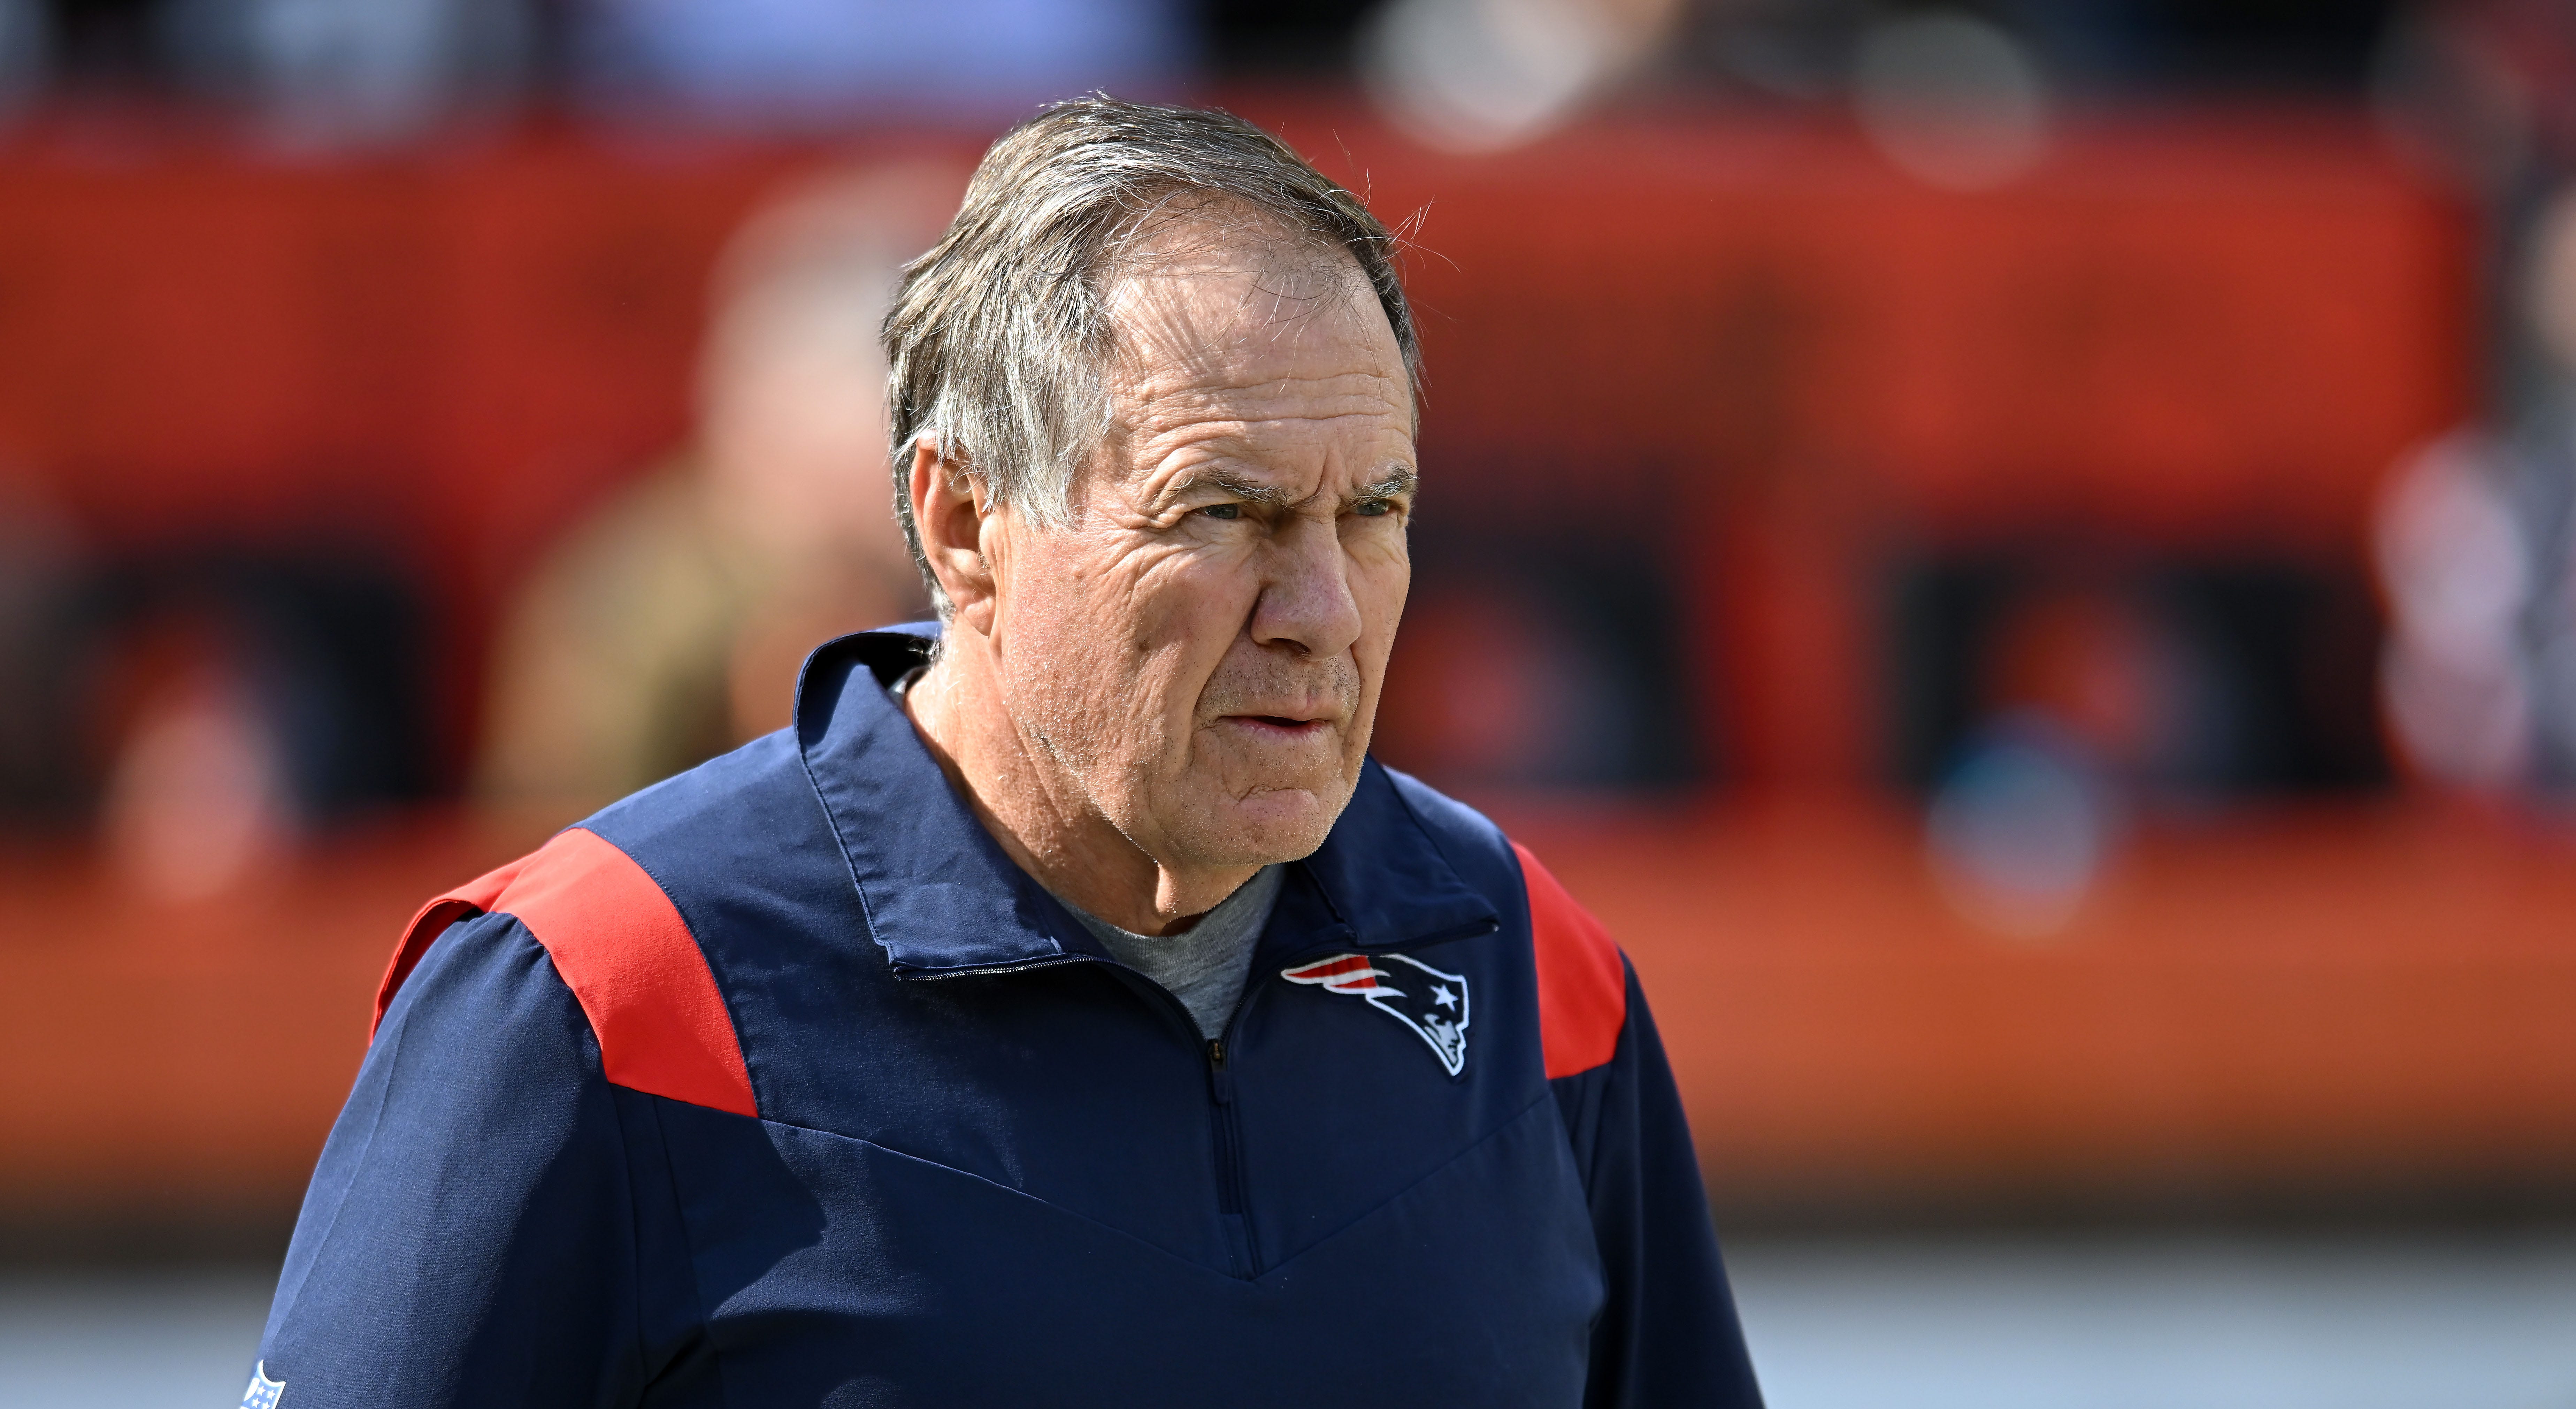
(263, 1391)
(1430, 1001)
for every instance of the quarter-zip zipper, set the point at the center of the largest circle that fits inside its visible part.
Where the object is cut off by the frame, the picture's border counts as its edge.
(1232, 1201)
(1233, 1178)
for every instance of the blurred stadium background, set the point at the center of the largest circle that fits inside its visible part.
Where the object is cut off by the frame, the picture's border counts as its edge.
(2021, 554)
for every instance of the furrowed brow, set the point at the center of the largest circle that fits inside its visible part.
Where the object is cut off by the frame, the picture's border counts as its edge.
(1243, 487)
(1399, 482)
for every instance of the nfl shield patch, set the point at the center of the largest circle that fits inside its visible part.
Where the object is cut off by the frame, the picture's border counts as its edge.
(1433, 1002)
(263, 1391)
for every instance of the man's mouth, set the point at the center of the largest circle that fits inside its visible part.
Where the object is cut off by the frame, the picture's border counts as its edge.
(1280, 725)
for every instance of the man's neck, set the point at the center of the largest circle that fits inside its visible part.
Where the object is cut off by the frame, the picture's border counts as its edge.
(1039, 813)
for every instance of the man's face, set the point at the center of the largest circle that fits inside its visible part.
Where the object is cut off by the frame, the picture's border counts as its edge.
(1201, 649)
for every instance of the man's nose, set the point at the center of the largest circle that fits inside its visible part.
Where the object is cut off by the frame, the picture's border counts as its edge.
(1306, 598)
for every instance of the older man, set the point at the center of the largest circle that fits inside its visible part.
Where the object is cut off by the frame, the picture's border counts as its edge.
(1065, 1010)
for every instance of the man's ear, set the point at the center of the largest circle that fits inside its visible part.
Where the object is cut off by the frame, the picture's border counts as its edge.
(948, 513)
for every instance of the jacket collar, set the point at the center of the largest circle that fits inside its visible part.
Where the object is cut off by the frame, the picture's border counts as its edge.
(941, 898)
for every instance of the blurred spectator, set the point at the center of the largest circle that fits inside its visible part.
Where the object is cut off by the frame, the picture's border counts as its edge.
(199, 794)
(2477, 533)
(2186, 680)
(2549, 508)
(2087, 696)
(2458, 573)
(2019, 833)
(342, 72)
(204, 707)
(671, 625)
(1952, 99)
(2477, 547)
(820, 62)
(325, 73)
(2047, 696)
(1474, 75)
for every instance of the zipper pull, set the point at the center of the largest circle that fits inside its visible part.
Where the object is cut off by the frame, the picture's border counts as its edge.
(1220, 1081)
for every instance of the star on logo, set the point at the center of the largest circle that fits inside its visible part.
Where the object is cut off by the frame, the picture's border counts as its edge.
(1441, 995)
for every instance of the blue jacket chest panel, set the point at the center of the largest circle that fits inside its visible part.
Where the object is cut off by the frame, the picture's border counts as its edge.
(835, 1270)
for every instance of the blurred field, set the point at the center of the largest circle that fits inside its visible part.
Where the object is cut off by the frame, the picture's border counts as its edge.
(1950, 1323)
(2214, 1322)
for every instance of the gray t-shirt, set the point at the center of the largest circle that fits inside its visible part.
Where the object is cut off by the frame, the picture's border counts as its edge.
(1204, 966)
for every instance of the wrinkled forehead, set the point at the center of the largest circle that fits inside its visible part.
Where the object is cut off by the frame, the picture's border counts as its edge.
(1228, 298)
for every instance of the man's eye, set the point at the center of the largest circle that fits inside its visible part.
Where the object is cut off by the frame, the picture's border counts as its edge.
(1223, 511)
(1373, 508)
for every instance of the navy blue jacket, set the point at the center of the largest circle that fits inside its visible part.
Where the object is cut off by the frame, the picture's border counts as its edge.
(778, 1084)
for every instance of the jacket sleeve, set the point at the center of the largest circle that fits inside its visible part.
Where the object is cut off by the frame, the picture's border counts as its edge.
(1668, 1332)
(469, 1235)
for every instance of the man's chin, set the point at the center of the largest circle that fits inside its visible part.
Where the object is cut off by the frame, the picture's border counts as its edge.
(1272, 825)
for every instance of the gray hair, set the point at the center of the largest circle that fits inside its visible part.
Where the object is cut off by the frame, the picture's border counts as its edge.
(998, 344)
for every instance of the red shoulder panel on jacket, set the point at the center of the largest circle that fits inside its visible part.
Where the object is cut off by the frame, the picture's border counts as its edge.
(473, 897)
(1582, 985)
(621, 946)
